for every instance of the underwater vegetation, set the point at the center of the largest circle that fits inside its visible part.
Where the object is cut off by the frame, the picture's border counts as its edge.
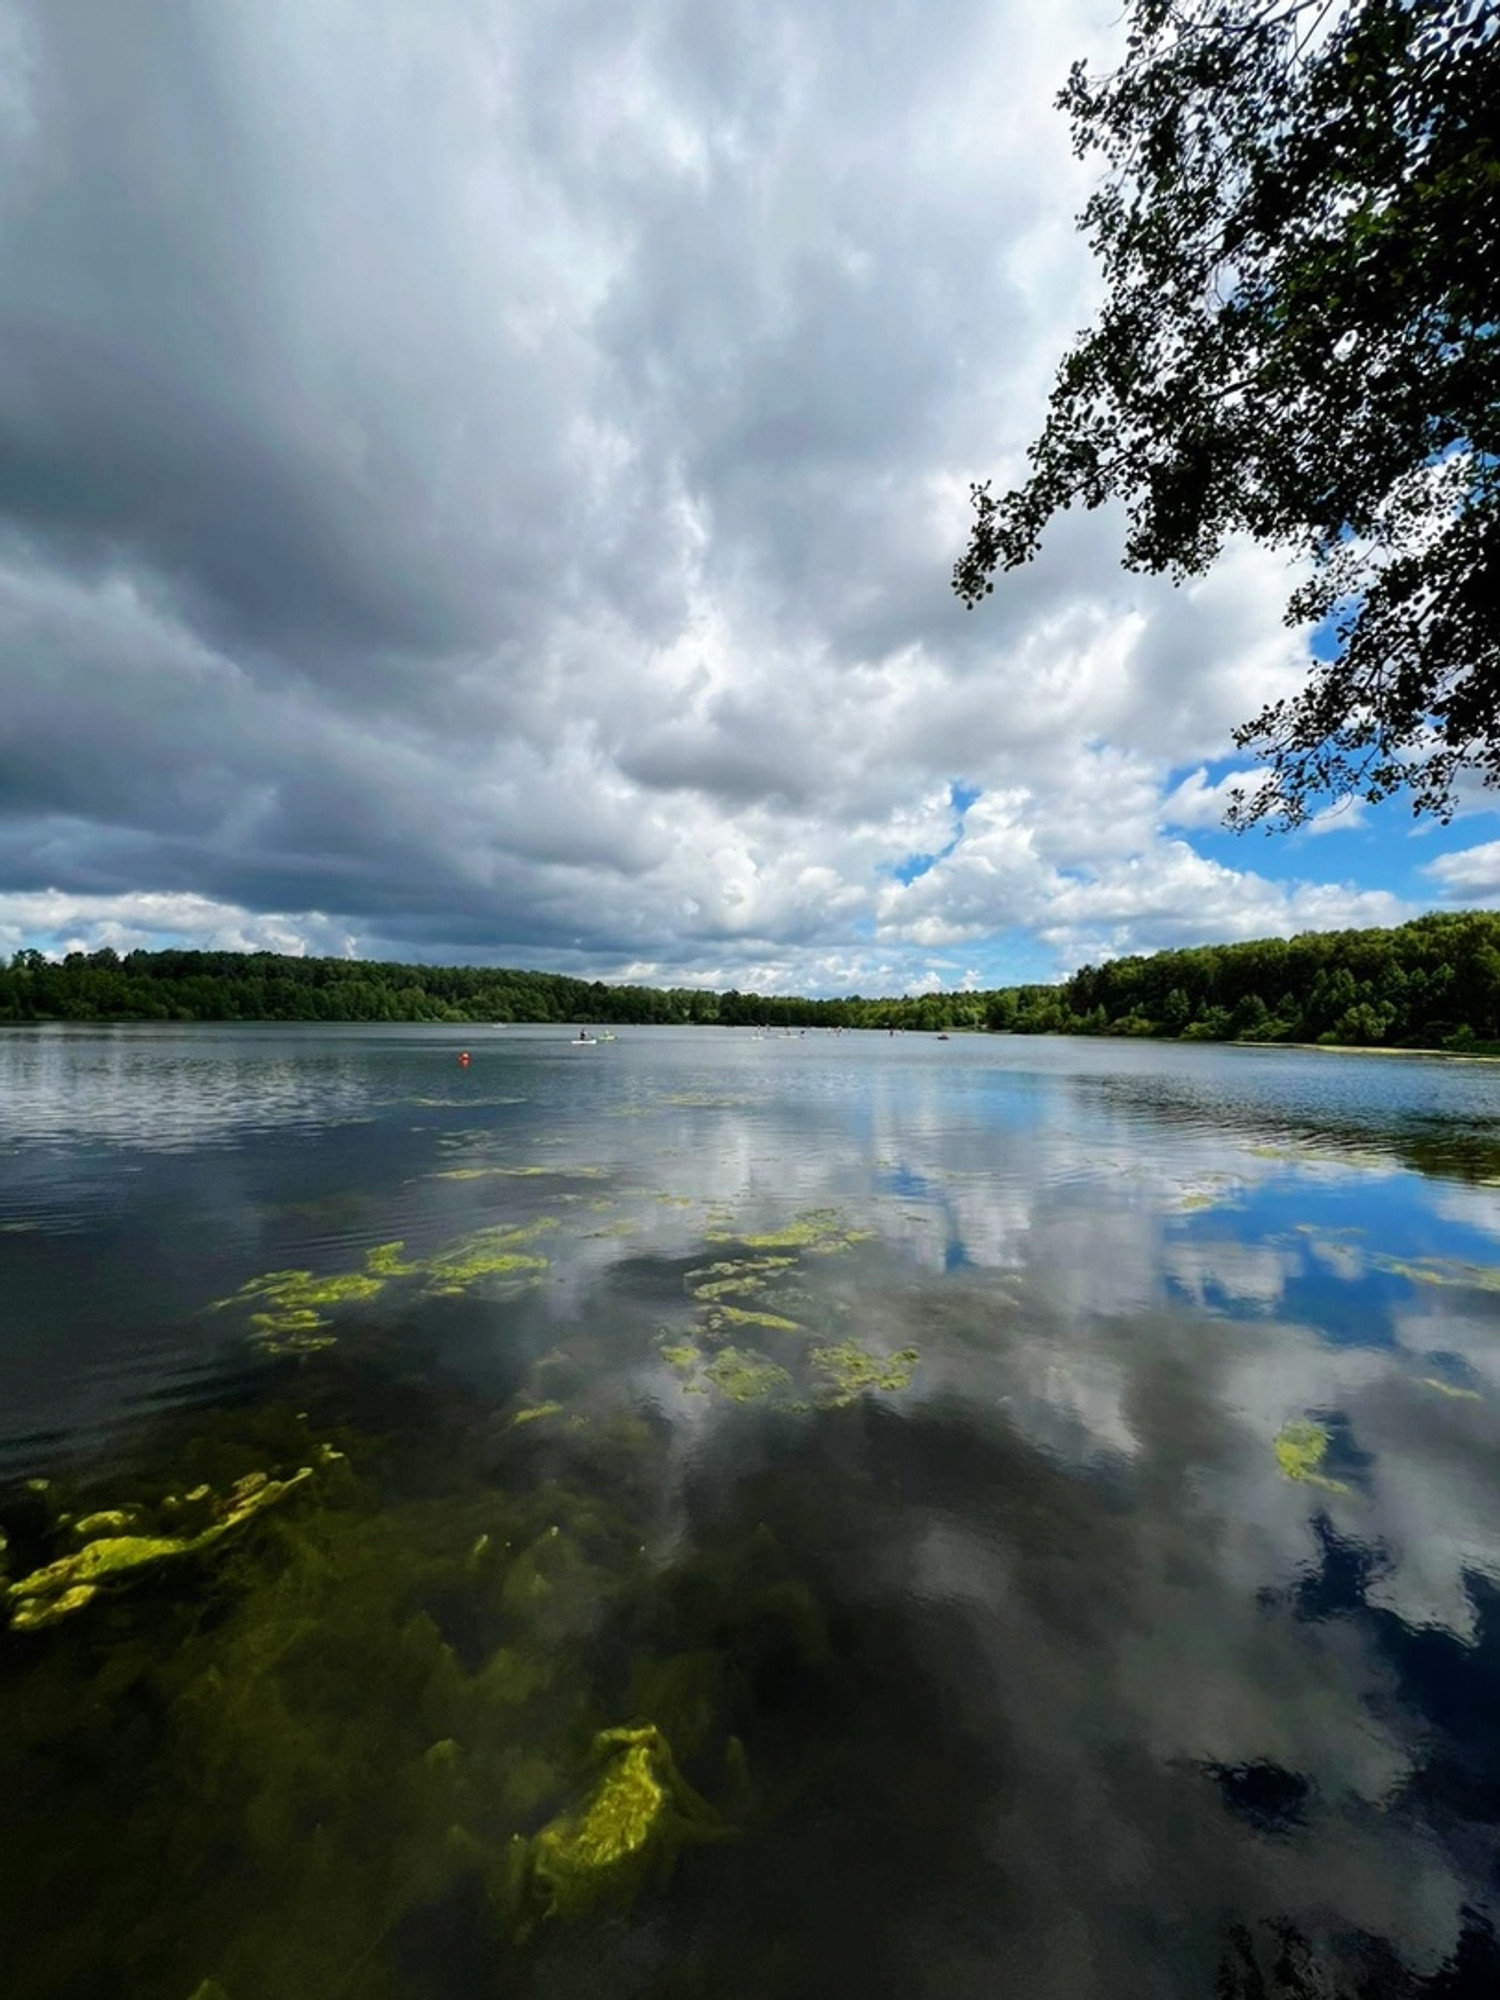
(819, 1232)
(115, 1550)
(746, 1378)
(641, 1813)
(360, 1664)
(848, 1370)
(272, 1712)
(1447, 1271)
(381, 1687)
(294, 1306)
(760, 1293)
(1301, 1448)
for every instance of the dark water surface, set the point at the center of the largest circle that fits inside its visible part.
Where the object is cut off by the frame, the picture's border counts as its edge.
(1026, 1510)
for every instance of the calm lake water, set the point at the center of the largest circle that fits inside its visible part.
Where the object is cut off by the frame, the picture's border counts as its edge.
(1031, 1506)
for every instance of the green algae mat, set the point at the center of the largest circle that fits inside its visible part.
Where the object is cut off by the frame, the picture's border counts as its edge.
(275, 1719)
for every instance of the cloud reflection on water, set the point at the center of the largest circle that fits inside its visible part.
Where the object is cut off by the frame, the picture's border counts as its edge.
(1084, 1598)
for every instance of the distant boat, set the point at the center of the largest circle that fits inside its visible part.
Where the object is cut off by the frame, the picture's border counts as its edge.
(608, 1037)
(942, 1038)
(583, 1041)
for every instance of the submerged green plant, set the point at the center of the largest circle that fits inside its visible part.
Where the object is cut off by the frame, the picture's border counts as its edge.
(376, 1712)
(681, 1355)
(848, 1370)
(67, 1585)
(1442, 1271)
(294, 1315)
(304, 1289)
(721, 1288)
(819, 1231)
(530, 1413)
(487, 1253)
(746, 1378)
(744, 1316)
(1449, 1389)
(1300, 1451)
(641, 1814)
(386, 1261)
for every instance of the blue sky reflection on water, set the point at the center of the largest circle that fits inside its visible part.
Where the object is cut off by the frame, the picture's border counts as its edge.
(1061, 1546)
(1332, 1252)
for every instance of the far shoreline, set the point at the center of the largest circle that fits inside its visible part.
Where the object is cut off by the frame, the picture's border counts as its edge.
(967, 1030)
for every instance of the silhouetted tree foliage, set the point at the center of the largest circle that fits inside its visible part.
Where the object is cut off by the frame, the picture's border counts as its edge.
(1300, 239)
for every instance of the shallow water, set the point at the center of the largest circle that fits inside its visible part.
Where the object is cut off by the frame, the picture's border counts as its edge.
(1042, 1492)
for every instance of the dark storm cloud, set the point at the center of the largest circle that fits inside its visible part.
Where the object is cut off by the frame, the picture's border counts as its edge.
(488, 478)
(238, 349)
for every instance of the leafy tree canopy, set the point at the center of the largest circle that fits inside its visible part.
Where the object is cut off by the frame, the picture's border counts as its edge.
(1300, 237)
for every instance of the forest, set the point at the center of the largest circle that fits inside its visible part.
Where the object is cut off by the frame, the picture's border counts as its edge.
(1432, 983)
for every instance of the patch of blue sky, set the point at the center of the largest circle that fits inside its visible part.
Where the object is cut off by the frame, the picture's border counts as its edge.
(1011, 958)
(1375, 847)
(915, 866)
(1382, 846)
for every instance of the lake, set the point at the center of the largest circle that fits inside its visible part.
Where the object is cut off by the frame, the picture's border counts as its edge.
(709, 1514)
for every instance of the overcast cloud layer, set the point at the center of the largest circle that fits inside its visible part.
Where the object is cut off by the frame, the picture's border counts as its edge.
(480, 483)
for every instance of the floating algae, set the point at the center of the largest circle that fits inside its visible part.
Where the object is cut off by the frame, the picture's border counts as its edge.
(722, 1288)
(708, 1279)
(294, 1304)
(1300, 1451)
(713, 1285)
(820, 1231)
(848, 1370)
(746, 1378)
(828, 1375)
(742, 1316)
(1448, 1389)
(1442, 1271)
(293, 1313)
(488, 1253)
(295, 1332)
(305, 1289)
(386, 1261)
(681, 1355)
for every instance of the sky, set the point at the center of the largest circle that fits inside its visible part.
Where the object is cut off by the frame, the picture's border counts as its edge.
(480, 483)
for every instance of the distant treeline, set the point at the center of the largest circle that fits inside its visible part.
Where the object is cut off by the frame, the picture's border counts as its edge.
(1434, 983)
(262, 986)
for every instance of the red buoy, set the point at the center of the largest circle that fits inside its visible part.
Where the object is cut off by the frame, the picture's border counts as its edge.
(464, 1057)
